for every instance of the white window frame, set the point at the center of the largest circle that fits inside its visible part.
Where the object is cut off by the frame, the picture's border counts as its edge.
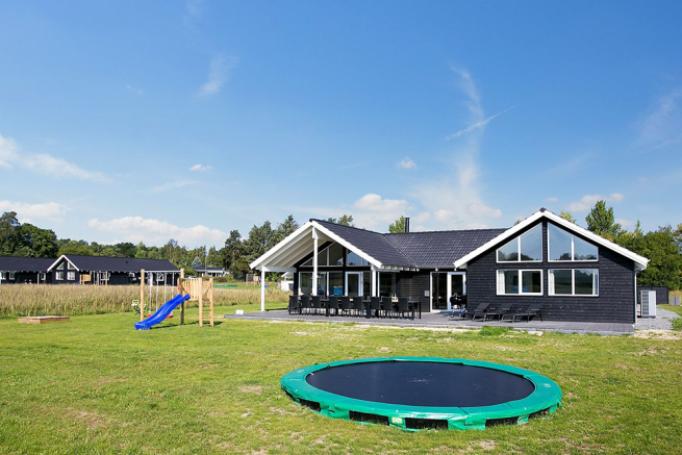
(12, 276)
(518, 249)
(325, 280)
(499, 276)
(595, 283)
(71, 275)
(59, 275)
(573, 259)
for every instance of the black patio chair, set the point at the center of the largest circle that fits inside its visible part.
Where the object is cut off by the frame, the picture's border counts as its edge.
(358, 306)
(405, 308)
(305, 303)
(479, 310)
(497, 311)
(388, 306)
(345, 306)
(533, 310)
(315, 304)
(294, 304)
(375, 306)
(333, 304)
(514, 310)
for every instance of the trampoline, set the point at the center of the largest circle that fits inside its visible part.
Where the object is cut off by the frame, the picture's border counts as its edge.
(416, 393)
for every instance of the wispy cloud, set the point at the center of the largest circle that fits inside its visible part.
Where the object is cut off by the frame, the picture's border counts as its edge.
(587, 201)
(173, 185)
(156, 232)
(407, 163)
(662, 125)
(28, 212)
(218, 74)
(200, 167)
(477, 125)
(42, 163)
(134, 90)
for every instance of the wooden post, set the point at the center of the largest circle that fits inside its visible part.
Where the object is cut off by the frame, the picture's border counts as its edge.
(210, 300)
(201, 302)
(180, 291)
(141, 294)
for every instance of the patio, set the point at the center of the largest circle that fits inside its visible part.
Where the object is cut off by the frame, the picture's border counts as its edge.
(441, 320)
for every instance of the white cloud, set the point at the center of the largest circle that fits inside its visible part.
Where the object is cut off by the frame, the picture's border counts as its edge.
(218, 74)
(477, 125)
(43, 163)
(134, 90)
(662, 126)
(552, 200)
(372, 211)
(173, 185)
(407, 163)
(156, 232)
(587, 201)
(28, 212)
(199, 167)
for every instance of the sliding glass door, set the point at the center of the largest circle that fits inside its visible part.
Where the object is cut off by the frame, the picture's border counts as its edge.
(445, 285)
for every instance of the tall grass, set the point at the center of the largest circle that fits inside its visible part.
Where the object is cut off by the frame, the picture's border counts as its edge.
(33, 299)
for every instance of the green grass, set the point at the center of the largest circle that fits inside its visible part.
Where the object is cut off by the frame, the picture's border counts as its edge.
(677, 322)
(94, 385)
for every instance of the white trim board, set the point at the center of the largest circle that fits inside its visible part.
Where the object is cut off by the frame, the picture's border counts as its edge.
(63, 256)
(640, 261)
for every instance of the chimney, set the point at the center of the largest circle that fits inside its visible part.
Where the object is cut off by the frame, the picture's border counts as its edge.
(407, 224)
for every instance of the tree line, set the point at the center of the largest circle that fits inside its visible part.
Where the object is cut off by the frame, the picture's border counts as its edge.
(662, 246)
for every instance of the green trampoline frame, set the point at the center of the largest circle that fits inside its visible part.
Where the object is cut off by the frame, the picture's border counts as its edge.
(543, 400)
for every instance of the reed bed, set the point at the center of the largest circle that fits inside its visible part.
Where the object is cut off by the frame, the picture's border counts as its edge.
(36, 300)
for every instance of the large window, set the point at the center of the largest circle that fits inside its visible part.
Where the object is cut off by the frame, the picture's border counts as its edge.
(388, 284)
(71, 276)
(336, 283)
(527, 247)
(574, 282)
(563, 246)
(353, 259)
(305, 283)
(519, 282)
(59, 276)
(328, 257)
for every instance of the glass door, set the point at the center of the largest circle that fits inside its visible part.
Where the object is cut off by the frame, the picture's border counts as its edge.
(445, 285)
(354, 285)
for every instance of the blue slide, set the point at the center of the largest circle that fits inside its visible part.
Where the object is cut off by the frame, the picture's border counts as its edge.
(162, 313)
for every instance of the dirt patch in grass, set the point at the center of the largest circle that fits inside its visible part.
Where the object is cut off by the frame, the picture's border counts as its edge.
(253, 389)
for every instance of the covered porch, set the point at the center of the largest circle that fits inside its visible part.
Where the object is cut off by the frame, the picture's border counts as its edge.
(329, 266)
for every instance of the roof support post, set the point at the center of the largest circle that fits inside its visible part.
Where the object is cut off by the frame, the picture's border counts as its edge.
(315, 243)
(262, 289)
(374, 281)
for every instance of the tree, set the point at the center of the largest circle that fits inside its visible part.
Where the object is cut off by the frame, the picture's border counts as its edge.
(601, 220)
(232, 250)
(125, 249)
(565, 214)
(398, 226)
(78, 247)
(259, 241)
(344, 220)
(10, 240)
(287, 226)
(38, 242)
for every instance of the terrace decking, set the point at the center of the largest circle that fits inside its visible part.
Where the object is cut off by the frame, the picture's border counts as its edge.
(443, 320)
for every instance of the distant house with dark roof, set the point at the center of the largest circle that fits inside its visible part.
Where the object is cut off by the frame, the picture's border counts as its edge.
(17, 269)
(76, 269)
(211, 271)
(575, 274)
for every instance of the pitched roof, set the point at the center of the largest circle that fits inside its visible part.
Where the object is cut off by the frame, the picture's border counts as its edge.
(373, 243)
(117, 264)
(24, 264)
(440, 249)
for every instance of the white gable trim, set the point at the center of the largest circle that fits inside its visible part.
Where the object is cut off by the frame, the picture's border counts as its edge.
(262, 262)
(640, 261)
(63, 256)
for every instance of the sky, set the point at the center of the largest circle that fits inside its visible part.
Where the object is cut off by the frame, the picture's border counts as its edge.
(145, 121)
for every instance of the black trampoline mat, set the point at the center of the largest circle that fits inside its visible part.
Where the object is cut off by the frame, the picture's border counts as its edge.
(412, 383)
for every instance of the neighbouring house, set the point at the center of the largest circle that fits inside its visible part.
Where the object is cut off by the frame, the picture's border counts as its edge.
(211, 271)
(576, 274)
(286, 283)
(105, 270)
(17, 269)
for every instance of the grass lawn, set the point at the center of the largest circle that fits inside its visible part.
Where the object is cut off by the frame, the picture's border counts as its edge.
(94, 385)
(677, 322)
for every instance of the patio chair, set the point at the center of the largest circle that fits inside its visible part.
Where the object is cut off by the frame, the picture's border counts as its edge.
(358, 306)
(375, 306)
(333, 305)
(345, 306)
(294, 304)
(533, 310)
(388, 306)
(305, 303)
(479, 310)
(315, 303)
(497, 311)
(515, 309)
(404, 307)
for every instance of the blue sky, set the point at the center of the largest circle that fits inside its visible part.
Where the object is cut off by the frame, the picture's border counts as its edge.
(144, 121)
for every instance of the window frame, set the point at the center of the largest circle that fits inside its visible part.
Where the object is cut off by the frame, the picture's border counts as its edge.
(499, 285)
(518, 249)
(595, 283)
(71, 275)
(59, 275)
(573, 237)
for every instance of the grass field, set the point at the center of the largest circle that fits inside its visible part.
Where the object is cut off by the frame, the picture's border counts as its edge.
(32, 299)
(677, 322)
(94, 385)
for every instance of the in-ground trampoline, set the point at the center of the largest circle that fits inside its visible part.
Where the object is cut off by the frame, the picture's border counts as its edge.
(414, 393)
